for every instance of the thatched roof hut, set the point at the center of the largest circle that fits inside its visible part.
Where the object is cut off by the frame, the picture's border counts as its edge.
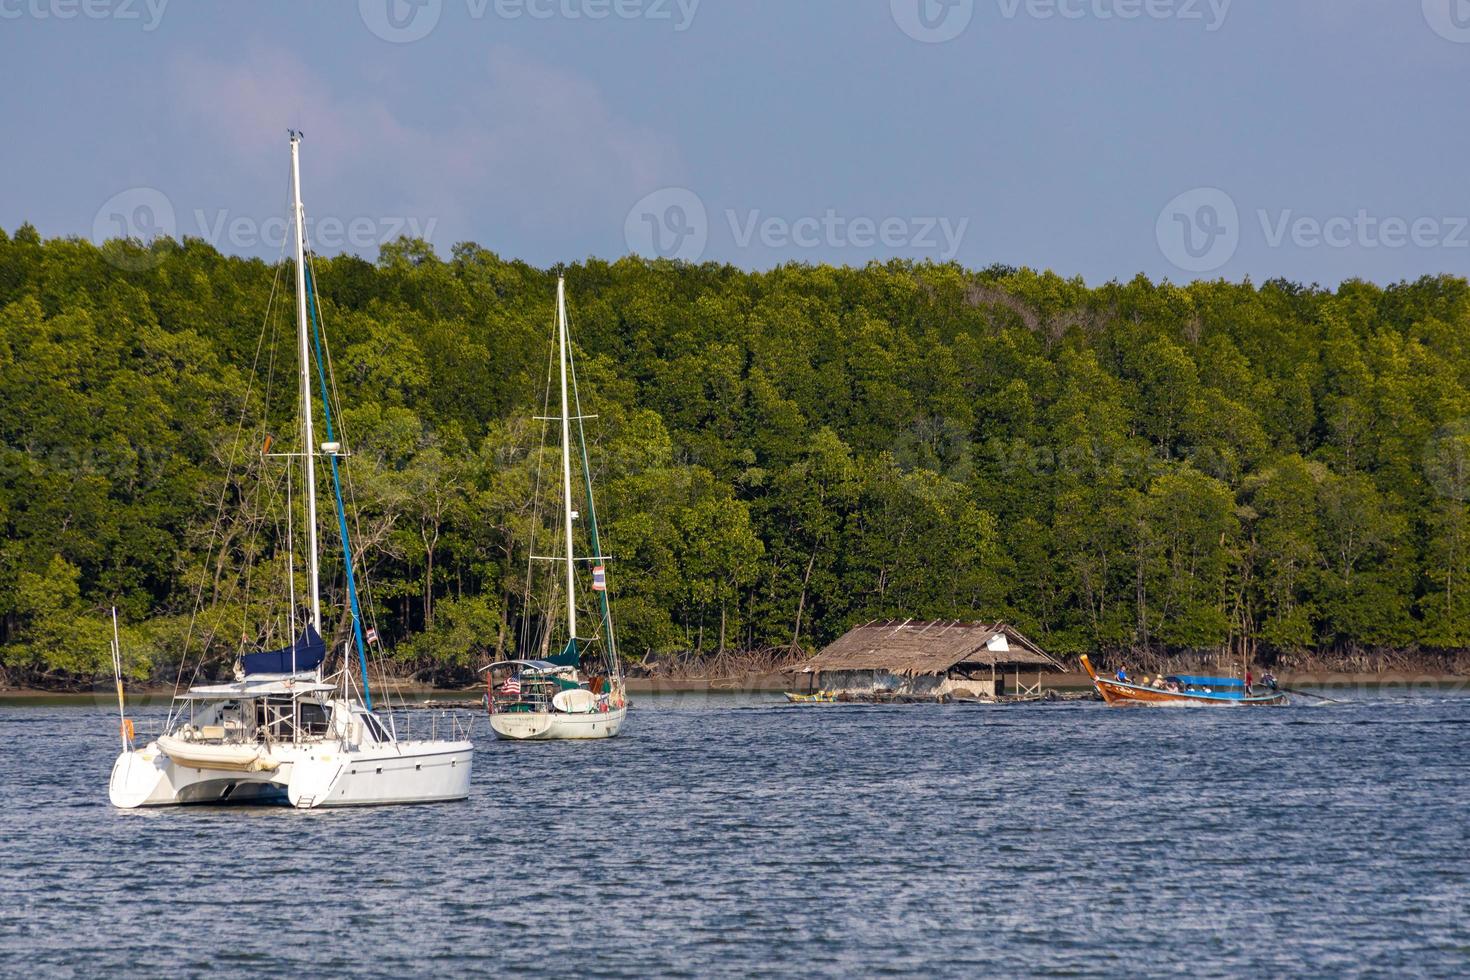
(917, 648)
(926, 657)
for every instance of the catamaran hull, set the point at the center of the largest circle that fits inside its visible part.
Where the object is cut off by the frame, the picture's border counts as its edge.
(546, 726)
(148, 777)
(403, 772)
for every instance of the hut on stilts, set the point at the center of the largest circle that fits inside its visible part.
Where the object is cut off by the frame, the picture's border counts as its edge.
(927, 660)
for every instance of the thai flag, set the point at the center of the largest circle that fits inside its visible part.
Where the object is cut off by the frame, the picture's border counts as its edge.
(372, 635)
(599, 579)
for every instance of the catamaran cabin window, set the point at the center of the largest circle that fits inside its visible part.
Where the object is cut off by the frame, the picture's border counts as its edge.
(374, 727)
(314, 720)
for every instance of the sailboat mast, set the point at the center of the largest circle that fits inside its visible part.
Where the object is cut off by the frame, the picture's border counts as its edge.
(566, 460)
(308, 439)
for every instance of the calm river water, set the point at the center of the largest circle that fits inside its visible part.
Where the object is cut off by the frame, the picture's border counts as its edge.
(737, 835)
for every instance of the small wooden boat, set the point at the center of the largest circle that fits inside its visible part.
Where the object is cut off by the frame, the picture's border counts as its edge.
(1182, 689)
(818, 697)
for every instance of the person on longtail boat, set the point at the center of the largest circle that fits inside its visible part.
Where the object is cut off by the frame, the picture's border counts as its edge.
(1249, 681)
(1123, 674)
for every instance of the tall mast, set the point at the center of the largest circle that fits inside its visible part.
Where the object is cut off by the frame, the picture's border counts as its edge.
(566, 460)
(307, 438)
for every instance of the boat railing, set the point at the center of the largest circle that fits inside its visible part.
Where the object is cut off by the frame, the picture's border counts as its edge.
(531, 695)
(502, 704)
(430, 724)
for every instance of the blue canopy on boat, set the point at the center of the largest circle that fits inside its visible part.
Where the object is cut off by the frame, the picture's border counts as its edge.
(307, 653)
(1210, 682)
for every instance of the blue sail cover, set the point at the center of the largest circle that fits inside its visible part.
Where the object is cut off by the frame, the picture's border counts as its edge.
(1210, 682)
(307, 653)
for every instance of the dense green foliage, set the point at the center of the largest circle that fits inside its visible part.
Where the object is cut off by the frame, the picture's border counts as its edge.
(779, 454)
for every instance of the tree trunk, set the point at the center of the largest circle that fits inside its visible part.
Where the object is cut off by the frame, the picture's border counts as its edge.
(429, 589)
(801, 604)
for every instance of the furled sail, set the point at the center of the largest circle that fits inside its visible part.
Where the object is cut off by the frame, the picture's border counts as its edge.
(307, 653)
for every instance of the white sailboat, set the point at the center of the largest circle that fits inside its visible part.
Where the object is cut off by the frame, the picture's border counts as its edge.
(284, 731)
(542, 700)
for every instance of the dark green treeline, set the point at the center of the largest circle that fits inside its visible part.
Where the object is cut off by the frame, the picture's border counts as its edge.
(779, 455)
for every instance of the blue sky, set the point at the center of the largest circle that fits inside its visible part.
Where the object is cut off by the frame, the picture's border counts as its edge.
(1311, 139)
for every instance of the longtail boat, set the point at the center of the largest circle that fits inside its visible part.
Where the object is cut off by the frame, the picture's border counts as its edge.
(1182, 689)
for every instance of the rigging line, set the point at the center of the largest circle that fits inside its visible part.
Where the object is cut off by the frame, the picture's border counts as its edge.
(524, 638)
(264, 431)
(256, 516)
(366, 592)
(214, 536)
(312, 302)
(232, 591)
(613, 665)
(226, 592)
(526, 598)
(224, 490)
(326, 345)
(379, 660)
(290, 559)
(377, 656)
(273, 599)
(247, 567)
(249, 524)
(263, 434)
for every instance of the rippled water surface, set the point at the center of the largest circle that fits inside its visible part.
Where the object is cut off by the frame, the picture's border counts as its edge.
(733, 835)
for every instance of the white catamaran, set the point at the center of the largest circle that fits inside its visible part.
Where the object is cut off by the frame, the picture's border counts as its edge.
(285, 731)
(552, 698)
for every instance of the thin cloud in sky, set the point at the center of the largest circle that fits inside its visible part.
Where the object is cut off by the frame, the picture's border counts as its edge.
(528, 142)
(768, 131)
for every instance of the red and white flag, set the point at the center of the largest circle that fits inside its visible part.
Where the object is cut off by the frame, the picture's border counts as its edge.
(599, 579)
(372, 635)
